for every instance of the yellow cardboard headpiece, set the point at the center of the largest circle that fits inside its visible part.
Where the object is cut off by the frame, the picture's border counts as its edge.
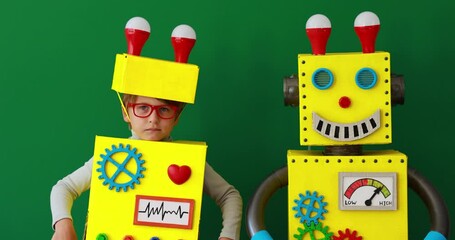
(156, 78)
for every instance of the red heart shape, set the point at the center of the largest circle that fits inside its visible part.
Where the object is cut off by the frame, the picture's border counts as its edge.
(179, 174)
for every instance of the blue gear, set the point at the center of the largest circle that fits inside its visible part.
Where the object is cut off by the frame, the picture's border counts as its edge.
(308, 202)
(109, 158)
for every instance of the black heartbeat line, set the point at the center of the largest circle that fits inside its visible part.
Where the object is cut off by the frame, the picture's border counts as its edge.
(160, 210)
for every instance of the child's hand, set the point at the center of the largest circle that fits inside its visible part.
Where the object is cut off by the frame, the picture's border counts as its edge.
(64, 230)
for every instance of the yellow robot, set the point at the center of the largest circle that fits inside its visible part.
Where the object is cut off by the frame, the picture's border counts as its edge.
(147, 189)
(342, 191)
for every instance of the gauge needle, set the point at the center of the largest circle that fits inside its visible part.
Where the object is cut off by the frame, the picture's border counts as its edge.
(376, 192)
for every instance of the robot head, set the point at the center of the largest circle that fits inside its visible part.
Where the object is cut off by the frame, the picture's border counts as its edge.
(142, 76)
(344, 98)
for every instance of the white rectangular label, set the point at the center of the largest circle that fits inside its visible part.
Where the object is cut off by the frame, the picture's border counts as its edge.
(165, 212)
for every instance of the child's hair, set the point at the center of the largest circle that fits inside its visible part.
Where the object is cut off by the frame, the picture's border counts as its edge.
(129, 98)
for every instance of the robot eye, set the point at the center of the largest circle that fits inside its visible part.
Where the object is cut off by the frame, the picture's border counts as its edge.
(366, 78)
(322, 78)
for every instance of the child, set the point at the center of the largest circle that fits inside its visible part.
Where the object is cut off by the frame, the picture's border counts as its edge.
(150, 119)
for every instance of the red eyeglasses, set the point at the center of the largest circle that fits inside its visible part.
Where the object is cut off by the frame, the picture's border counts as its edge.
(144, 110)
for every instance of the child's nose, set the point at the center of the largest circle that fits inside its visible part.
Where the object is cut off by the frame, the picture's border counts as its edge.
(154, 117)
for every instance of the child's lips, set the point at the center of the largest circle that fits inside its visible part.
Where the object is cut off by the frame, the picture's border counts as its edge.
(152, 129)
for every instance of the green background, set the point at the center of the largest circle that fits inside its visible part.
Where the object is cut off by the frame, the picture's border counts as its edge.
(56, 70)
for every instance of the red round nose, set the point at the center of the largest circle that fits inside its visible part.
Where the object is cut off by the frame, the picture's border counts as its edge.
(344, 102)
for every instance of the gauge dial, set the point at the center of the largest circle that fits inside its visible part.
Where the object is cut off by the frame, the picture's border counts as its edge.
(367, 191)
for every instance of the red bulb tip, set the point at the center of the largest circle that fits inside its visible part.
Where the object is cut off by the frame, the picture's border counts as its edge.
(318, 29)
(137, 31)
(183, 38)
(366, 25)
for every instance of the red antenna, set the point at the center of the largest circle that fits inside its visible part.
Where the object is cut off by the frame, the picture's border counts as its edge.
(318, 28)
(137, 31)
(183, 39)
(366, 25)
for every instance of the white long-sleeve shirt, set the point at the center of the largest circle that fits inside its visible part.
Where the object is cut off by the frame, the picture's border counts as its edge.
(66, 190)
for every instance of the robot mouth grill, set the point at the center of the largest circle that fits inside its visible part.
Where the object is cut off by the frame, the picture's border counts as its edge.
(346, 132)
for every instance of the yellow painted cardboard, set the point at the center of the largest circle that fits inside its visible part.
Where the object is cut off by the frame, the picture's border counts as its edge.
(364, 102)
(155, 78)
(312, 171)
(112, 212)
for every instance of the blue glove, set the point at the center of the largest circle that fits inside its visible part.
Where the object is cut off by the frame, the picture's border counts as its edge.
(433, 235)
(262, 235)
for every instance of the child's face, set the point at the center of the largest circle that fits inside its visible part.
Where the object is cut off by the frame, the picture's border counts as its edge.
(152, 128)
